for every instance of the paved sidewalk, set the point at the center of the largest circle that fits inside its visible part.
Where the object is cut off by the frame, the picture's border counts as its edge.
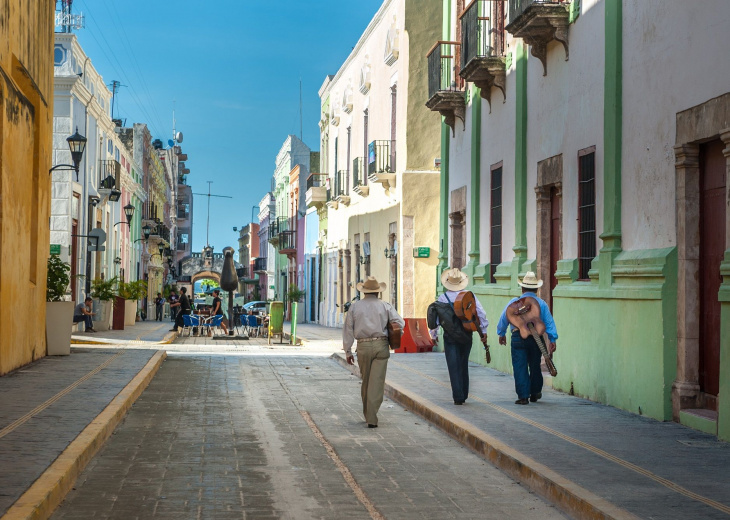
(309, 333)
(570, 449)
(55, 413)
(142, 332)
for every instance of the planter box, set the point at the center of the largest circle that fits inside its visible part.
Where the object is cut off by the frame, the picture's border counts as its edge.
(130, 312)
(59, 321)
(103, 318)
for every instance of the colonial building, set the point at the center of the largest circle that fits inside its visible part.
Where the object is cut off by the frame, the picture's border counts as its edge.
(379, 188)
(586, 142)
(26, 127)
(248, 249)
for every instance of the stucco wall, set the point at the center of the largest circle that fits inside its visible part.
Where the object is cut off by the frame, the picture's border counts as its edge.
(26, 108)
(674, 58)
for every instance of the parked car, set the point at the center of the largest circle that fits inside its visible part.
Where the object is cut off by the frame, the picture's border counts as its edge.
(258, 307)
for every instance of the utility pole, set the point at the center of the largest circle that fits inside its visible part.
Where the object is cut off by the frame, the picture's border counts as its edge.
(209, 195)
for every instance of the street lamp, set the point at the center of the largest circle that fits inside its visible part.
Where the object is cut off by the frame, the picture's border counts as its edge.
(77, 145)
(128, 212)
(146, 232)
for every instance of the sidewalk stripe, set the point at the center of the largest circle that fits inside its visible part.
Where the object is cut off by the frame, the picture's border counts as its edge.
(342, 467)
(601, 453)
(46, 493)
(38, 409)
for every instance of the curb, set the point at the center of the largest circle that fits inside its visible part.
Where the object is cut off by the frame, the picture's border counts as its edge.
(166, 340)
(566, 495)
(48, 491)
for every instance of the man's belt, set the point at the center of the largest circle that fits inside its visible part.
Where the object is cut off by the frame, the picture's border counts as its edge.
(368, 340)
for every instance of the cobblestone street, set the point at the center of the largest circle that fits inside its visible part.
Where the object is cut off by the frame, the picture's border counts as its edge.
(230, 436)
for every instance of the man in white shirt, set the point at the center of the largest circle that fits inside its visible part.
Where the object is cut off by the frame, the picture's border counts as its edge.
(367, 322)
(457, 352)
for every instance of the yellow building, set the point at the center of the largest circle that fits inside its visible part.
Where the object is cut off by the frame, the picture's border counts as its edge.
(380, 182)
(26, 116)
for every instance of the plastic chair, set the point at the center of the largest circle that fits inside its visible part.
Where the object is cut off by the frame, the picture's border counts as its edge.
(252, 325)
(190, 321)
(214, 322)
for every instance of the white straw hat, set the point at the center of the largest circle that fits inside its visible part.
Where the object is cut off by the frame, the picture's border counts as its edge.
(530, 281)
(454, 279)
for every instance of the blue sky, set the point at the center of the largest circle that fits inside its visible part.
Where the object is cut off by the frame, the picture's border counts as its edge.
(231, 69)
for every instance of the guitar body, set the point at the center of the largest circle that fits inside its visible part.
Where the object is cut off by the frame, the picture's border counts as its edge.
(465, 307)
(524, 314)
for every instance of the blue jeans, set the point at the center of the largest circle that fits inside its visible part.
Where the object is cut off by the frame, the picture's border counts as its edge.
(457, 360)
(526, 359)
(86, 319)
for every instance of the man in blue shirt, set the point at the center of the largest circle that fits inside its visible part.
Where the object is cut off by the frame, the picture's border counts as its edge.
(526, 354)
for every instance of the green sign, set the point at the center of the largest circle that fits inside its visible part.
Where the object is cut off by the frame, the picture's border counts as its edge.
(55, 249)
(421, 252)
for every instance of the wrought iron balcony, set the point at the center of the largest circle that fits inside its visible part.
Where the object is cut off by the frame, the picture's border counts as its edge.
(445, 94)
(482, 46)
(242, 272)
(288, 242)
(381, 163)
(149, 212)
(109, 172)
(360, 177)
(276, 226)
(538, 22)
(259, 265)
(161, 232)
(342, 187)
(316, 194)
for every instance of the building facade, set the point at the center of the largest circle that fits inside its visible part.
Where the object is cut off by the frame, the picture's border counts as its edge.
(578, 142)
(380, 185)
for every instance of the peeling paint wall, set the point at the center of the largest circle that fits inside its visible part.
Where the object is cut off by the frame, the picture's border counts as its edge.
(26, 111)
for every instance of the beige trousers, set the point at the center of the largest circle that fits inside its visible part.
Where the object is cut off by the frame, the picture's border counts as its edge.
(372, 358)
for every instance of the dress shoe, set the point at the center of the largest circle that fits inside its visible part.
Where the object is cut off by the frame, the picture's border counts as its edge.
(372, 425)
(90, 330)
(522, 401)
(172, 330)
(535, 397)
(459, 402)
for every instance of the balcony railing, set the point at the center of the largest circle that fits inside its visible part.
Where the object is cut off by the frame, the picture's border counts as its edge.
(441, 68)
(276, 226)
(259, 265)
(342, 187)
(242, 272)
(288, 241)
(162, 232)
(316, 180)
(359, 175)
(479, 37)
(381, 157)
(109, 174)
(149, 211)
(518, 7)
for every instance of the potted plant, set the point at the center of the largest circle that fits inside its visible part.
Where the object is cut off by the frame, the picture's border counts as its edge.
(59, 310)
(104, 291)
(131, 292)
(295, 295)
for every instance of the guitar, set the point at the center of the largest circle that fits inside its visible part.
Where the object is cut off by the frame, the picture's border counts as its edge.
(465, 307)
(524, 314)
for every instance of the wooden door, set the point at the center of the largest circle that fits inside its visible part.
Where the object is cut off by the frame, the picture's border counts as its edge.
(554, 241)
(712, 247)
(74, 257)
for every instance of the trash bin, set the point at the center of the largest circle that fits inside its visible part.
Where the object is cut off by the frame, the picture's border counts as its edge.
(416, 337)
(276, 320)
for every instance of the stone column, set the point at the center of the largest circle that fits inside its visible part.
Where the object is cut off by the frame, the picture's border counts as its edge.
(686, 388)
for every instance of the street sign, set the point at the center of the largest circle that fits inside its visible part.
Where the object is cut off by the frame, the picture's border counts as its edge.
(55, 249)
(421, 252)
(97, 237)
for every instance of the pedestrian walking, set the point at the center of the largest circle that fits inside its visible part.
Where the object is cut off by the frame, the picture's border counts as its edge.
(526, 354)
(367, 323)
(457, 340)
(82, 312)
(183, 306)
(173, 299)
(218, 308)
(159, 306)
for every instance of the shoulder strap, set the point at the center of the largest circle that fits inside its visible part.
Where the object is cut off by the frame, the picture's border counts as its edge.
(449, 299)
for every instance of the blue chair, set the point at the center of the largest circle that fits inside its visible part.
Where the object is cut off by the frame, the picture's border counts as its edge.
(252, 325)
(190, 321)
(214, 322)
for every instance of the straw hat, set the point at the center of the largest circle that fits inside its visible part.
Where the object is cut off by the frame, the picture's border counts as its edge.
(454, 279)
(530, 281)
(371, 285)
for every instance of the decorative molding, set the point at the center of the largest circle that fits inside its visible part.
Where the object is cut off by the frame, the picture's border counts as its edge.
(539, 24)
(451, 105)
(365, 76)
(391, 44)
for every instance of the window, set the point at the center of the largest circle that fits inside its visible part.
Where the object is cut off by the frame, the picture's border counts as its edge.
(58, 55)
(586, 211)
(495, 221)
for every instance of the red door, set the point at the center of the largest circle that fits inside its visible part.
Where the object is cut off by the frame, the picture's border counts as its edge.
(712, 248)
(554, 241)
(74, 258)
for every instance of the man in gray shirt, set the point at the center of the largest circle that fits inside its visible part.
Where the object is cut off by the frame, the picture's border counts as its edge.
(82, 312)
(367, 322)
